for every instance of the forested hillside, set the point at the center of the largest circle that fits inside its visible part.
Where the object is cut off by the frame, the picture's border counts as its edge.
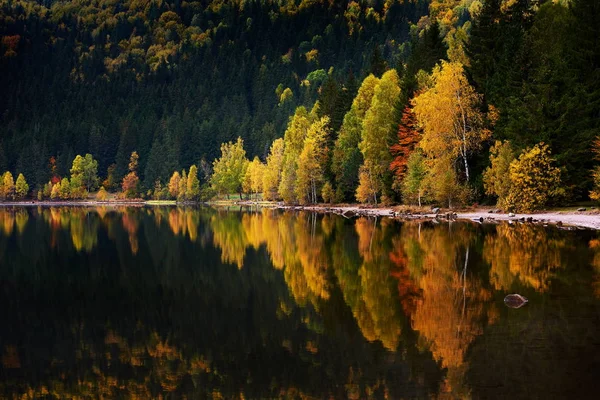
(173, 80)
(109, 77)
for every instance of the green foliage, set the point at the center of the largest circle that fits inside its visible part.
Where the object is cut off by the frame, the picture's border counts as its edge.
(85, 172)
(229, 170)
(378, 132)
(535, 180)
(347, 157)
(64, 190)
(413, 188)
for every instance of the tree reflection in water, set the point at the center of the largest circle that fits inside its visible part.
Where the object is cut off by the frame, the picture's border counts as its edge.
(144, 302)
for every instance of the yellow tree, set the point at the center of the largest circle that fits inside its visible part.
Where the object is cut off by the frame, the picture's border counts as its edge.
(311, 163)
(294, 142)
(7, 186)
(272, 171)
(253, 180)
(192, 184)
(534, 179)
(378, 132)
(449, 113)
(174, 184)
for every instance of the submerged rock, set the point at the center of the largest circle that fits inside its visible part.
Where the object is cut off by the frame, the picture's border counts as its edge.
(515, 300)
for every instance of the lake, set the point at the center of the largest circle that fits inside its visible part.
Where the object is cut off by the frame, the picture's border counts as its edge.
(226, 303)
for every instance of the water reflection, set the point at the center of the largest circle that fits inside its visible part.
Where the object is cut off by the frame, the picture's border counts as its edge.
(224, 303)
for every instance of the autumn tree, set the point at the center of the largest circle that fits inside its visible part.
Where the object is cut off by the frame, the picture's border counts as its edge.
(7, 186)
(182, 190)
(496, 178)
(102, 194)
(253, 180)
(174, 185)
(534, 179)
(347, 158)
(294, 142)
(366, 192)
(449, 114)
(377, 133)
(408, 138)
(272, 170)
(311, 163)
(21, 187)
(55, 192)
(229, 170)
(193, 184)
(131, 181)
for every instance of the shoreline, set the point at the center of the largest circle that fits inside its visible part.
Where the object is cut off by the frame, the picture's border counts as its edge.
(589, 219)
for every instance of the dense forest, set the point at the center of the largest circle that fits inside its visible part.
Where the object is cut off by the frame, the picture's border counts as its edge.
(443, 101)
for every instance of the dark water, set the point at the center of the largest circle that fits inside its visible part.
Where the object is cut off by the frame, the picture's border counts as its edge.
(204, 303)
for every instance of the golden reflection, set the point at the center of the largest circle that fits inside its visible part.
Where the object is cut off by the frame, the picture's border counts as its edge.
(7, 221)
(131, 224)
(452, 307)
(525, 253)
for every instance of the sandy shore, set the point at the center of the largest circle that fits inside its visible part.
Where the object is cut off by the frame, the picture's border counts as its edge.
(584, 219)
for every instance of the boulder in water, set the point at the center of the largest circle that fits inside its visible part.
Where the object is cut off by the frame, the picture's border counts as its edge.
(515, 300)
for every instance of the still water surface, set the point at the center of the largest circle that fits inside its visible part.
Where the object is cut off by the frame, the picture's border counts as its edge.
(214, 303)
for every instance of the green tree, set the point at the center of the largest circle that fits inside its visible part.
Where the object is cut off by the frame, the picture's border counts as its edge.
(64, 191)
(85, 170)
(229, 170)
(21, 187)
(378, 133)
(497, 178)
(413, 188)
(347, 157)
